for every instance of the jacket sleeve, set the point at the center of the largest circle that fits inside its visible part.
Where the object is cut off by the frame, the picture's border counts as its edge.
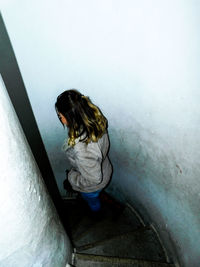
(88, 171)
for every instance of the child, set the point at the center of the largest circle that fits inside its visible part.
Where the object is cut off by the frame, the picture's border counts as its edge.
(87, 146)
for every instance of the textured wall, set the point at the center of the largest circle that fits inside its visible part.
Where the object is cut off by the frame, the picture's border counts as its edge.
(139, 60)
(31, 233)
(18, 96)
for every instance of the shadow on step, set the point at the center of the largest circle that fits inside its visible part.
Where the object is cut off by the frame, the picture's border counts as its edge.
(116, 238)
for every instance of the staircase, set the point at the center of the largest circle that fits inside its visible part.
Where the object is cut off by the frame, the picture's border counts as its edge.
(116, 238)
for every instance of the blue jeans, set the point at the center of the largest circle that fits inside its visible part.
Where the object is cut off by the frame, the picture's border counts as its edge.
(92, 200)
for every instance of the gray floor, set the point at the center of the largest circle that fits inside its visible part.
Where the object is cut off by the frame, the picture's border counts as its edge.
(116, 238)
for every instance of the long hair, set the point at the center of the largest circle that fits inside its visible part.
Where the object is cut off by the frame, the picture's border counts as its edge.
(83, 117)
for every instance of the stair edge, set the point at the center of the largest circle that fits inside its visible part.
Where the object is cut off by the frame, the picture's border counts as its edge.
(110, 259)
(97, 243)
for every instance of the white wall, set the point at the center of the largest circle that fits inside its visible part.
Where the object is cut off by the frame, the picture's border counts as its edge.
(139, 61)
(31, 232)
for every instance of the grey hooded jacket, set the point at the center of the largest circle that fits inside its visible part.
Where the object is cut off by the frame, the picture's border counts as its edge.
(91, 167)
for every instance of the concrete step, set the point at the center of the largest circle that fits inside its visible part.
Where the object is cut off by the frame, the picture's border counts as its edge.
(73, 211)
(138, 244)
(106, 228)
(118, 238)
(86, 260)
(82, 228)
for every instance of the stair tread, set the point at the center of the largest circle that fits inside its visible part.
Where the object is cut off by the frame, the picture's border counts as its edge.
(138, 245)
(77, 209)
(117, 239)
(88, 260)
(85, 224)
(73, 212)
(106, 228)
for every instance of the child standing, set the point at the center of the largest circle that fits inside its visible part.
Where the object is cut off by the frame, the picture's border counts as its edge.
(87, 146)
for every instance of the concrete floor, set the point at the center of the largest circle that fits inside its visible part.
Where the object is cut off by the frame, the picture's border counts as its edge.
(116, 238)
